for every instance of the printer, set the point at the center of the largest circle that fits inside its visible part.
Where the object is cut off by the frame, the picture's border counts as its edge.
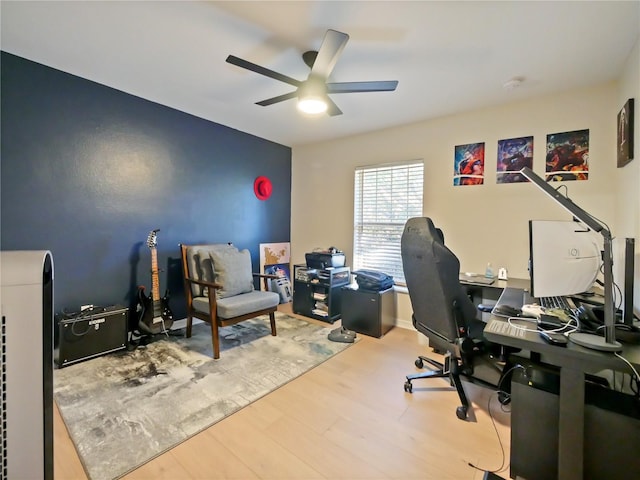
(325, 259)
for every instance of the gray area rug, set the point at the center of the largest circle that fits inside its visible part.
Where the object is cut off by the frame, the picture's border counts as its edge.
(126, 408)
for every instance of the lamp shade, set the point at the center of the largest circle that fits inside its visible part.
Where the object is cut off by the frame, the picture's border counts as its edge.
(312, 97)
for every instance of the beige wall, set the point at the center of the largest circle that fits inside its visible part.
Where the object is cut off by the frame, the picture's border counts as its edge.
(486, 223)
(628, 178)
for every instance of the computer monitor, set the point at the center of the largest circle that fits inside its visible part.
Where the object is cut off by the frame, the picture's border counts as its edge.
(587, 340)
(629, 253)
(564, 258)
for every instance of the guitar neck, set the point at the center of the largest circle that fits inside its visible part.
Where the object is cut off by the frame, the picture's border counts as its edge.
(155, 282)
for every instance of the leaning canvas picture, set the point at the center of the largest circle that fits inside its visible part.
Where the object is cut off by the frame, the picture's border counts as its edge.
(275, 259)
(513, 155)
(625, 134)
(567, 156)
(469, 164)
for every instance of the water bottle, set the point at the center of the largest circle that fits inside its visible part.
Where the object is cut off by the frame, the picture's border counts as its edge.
(489, 271)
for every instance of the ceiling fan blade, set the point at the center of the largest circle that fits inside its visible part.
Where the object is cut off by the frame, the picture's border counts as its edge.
(332, 108)
(279, 98)
(330, 50)
(355, 87)
(262, 70)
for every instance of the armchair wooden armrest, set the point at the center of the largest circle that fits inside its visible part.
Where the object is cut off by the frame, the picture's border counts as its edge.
(265, 277)
(202, 283)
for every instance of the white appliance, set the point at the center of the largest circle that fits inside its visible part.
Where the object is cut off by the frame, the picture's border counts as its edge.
(26, 300)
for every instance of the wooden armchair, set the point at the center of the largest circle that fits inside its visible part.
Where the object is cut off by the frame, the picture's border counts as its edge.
(218, 287)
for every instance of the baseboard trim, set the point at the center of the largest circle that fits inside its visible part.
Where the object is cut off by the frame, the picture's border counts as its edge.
(402, 323)
(182, 323)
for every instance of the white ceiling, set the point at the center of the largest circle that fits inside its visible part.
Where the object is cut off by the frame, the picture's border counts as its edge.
(447, 56)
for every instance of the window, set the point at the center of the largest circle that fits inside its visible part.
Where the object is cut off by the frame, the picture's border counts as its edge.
(386, 196)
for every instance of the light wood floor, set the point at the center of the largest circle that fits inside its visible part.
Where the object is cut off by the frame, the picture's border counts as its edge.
(348, 418)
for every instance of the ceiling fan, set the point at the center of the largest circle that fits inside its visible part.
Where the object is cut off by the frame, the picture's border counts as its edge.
(312, 93)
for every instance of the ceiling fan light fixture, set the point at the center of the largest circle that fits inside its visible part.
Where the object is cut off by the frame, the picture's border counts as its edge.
(312, 97)
(312, 93)
(312, 105)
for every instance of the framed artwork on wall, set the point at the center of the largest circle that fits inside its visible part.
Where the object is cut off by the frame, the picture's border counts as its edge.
(513, 155)
(625, 134)
(468, 168)
(567, 156)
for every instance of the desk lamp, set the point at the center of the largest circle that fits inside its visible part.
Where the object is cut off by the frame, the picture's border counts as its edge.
(607, 343)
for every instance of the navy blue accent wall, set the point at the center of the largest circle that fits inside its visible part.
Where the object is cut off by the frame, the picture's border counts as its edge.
(88, 171)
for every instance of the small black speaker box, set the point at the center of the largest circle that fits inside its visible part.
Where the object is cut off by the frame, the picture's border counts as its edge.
(91, 334)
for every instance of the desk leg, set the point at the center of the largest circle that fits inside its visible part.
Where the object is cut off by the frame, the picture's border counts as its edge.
(571, 424)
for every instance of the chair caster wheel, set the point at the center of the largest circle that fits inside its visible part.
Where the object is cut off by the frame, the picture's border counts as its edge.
(408, 387)
(461, 412)
(419, 363)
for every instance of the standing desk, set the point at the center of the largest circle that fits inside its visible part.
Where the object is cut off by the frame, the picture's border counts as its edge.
(481, 293)
(497, 286)
(574, 362)
(491, 292)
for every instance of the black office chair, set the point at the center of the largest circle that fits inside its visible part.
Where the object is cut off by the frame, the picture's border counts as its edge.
(444, 313)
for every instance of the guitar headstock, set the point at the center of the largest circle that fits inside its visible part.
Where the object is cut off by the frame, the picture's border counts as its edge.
(152, 238)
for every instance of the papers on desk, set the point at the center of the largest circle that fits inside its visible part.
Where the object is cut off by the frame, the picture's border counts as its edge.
(475, 278)
(500, 327)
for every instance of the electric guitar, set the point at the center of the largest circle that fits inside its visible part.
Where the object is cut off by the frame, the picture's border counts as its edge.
(155, 316)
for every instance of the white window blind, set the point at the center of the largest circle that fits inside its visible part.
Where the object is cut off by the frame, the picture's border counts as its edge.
(386, 196)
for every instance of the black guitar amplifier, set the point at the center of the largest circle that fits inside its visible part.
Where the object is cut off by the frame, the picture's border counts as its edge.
(90, 334)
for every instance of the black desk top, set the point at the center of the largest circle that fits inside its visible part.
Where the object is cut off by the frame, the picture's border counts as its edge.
(500, 331)
(479, 281)
(574, 362)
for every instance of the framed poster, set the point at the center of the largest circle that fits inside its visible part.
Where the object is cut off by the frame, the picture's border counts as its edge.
(513, 155)
(625, 134)
(468, 167)
(567, 156)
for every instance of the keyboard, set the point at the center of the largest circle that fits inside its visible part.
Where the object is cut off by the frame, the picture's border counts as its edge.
(557, 302)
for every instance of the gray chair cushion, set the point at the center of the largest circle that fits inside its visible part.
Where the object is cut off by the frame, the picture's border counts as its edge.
(200, 266)
(240, 304)
(232, 270)
(206, 270)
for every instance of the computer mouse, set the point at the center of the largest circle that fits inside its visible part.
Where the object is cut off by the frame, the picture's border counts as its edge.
(506, 311)
(554, 338)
